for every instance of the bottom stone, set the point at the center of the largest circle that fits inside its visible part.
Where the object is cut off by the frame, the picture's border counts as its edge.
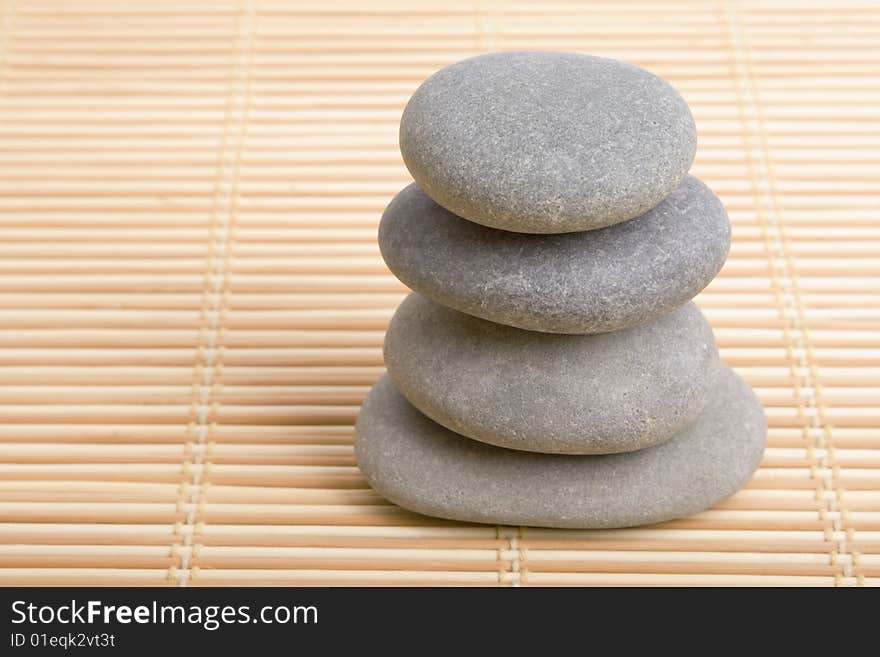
(420, 465)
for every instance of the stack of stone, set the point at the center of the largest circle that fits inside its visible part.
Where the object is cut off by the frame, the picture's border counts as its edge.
(550, 368)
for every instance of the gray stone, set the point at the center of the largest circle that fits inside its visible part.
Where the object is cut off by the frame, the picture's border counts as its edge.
(418, 464)
(561, 394)
(546, 142)
(589, 282)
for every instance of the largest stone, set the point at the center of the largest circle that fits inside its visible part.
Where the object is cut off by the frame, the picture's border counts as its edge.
(545, 142)
(419, 465)
(591, 282)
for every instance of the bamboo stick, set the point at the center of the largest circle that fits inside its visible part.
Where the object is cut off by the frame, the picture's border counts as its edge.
(236, 557)
(430, 559)
(353, 234)
(651, 579)
(362, 151)
(156, 577)
(732, 340)
(721, 294)
(296, 357)
(312, 202)
(316, 395)
(792, 436)
(57, 7)
(384, 514)
(785, 417)
(310, 476)
(226, 512)
(85, 577)
(783, 375)
(436, 534)
(340, 454)
(97, 491)
(133, 577)
(554, 11)
(234, 454)
(129, 301)
(336, 145)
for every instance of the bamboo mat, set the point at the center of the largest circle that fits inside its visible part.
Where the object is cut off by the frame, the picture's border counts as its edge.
(192, 302)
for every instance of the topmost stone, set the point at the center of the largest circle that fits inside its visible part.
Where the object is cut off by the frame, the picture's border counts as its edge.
(545, 142)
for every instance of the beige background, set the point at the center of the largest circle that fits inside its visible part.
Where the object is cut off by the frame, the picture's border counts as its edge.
(192, 300)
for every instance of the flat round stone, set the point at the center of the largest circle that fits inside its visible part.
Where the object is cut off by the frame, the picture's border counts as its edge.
(547, 142)
(590, 282)
(561, 394)
(421, 466)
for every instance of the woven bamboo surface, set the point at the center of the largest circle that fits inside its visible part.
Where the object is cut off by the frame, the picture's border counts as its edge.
(192, 302)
